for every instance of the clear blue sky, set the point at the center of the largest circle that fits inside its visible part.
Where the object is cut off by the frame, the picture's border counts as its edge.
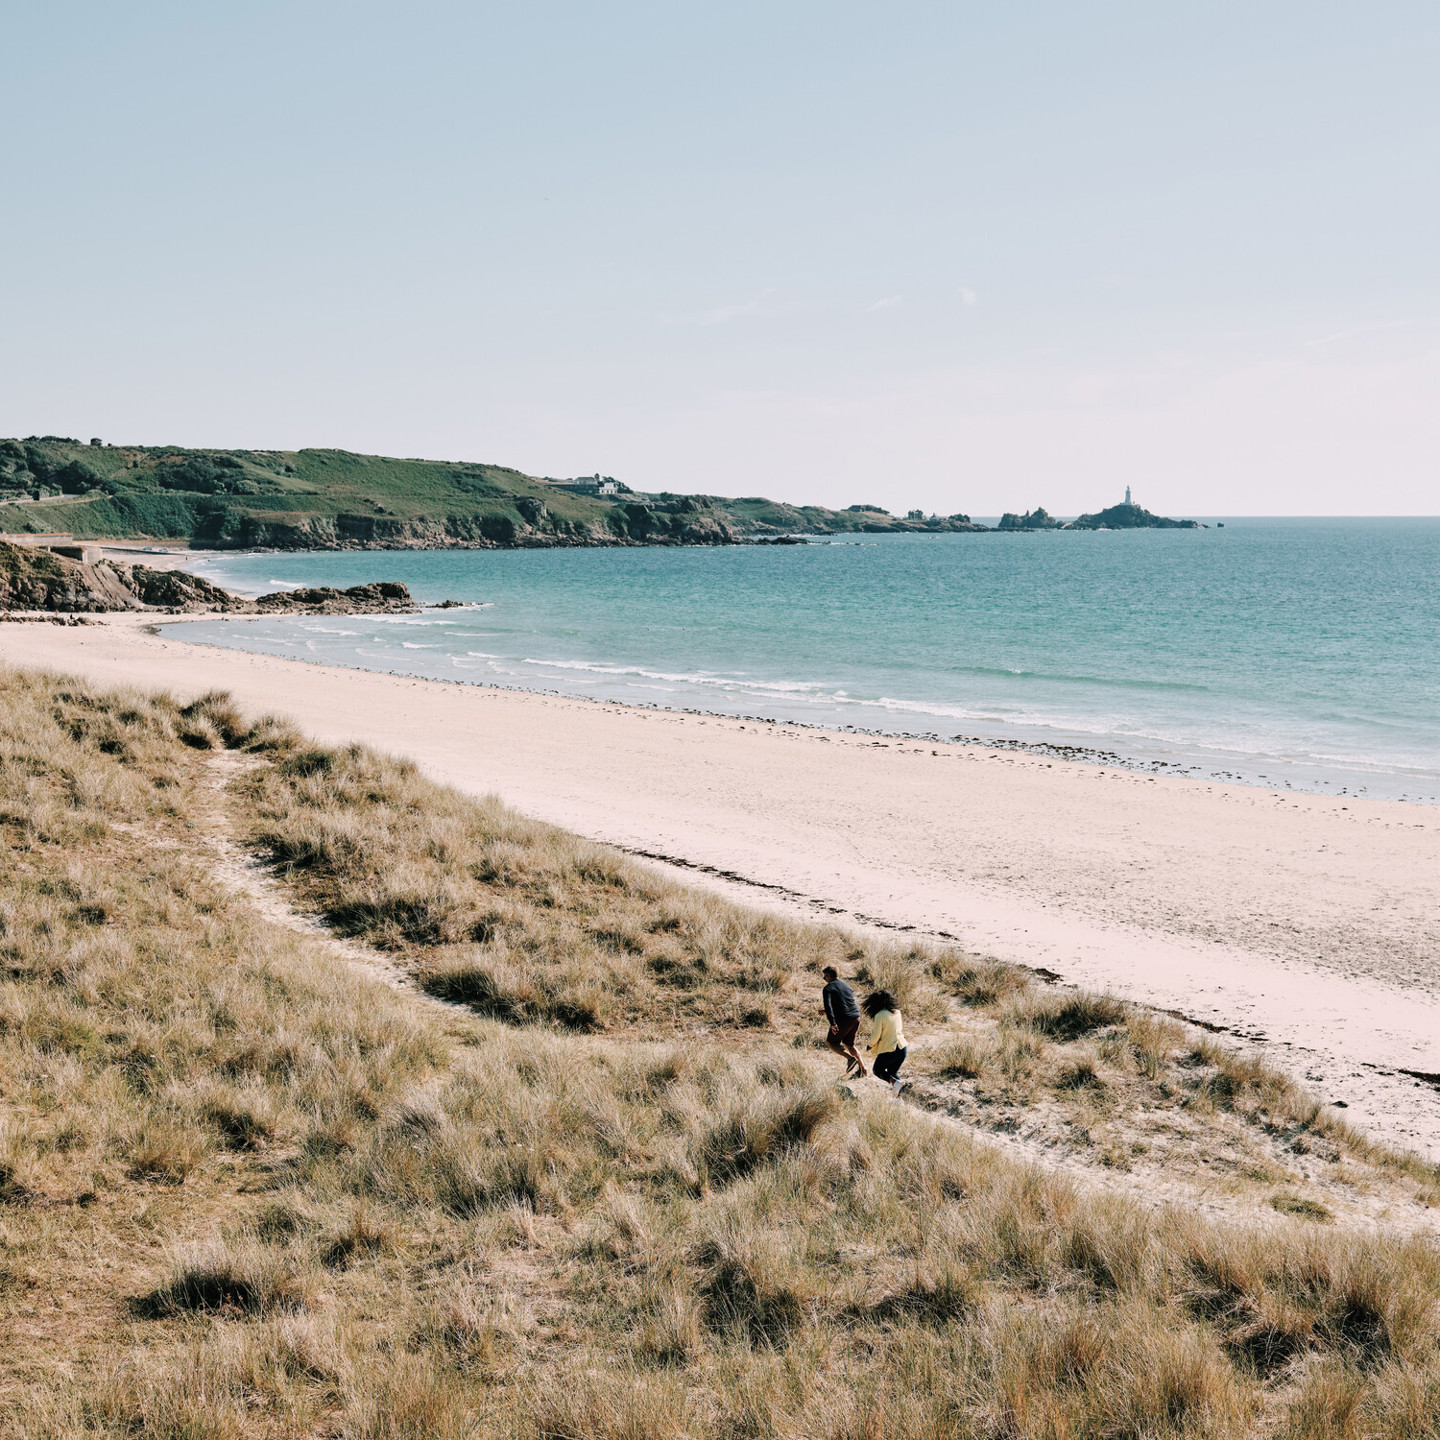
(961, 256)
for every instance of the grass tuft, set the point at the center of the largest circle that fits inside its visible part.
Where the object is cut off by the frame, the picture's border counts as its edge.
(1067, 1018)
(513, 993)
(1300, 1207)
(968, 1058)
(752, 1130)
(1081, 1075)
(222, 1276)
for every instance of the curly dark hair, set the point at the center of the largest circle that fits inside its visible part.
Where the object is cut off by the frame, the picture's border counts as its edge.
(880, 1000)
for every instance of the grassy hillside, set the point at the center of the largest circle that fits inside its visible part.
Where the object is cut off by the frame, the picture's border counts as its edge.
(306, 497)
(328, 498)
(248, 1189)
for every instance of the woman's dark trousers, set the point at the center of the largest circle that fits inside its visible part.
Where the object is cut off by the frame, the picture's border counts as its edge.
(887, 1066)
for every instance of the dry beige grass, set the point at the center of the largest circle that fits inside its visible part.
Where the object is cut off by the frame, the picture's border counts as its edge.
(246, 1193)
(524, 922)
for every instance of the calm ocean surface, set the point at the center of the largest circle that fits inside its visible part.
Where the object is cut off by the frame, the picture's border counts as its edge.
(1283, 652)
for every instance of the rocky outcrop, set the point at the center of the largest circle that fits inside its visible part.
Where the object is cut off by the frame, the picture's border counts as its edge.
(1037, 519)
(33, 579)
(166, 589)
(387, 597)
(178, 590)
(748, 519)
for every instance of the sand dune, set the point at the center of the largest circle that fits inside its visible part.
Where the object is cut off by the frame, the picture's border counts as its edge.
(1306, 923)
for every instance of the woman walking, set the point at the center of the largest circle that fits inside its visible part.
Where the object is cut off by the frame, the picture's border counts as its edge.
(887, 1038)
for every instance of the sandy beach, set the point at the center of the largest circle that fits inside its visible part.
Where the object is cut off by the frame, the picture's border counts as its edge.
(1303, 924)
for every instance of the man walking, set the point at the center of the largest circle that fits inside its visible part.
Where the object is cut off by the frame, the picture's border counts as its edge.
(843, 1014)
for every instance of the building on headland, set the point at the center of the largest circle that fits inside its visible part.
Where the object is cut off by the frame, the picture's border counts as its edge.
(591, 485)
(1128, 501)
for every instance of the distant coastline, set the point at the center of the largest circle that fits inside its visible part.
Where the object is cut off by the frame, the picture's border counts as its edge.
(320, 499)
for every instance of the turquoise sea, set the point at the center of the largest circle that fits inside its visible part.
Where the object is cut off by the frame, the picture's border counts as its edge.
(1284, 652)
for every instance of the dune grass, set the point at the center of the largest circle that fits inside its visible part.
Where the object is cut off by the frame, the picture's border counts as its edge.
(524, 922)
(248, 1192)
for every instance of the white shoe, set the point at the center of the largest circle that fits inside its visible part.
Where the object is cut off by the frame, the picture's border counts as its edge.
(897, 1087)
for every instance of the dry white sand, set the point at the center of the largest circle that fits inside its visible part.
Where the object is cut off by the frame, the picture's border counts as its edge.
(1304, 923)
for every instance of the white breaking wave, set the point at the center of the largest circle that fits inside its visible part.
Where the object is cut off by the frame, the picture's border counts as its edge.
(411, 620)
(722, 682)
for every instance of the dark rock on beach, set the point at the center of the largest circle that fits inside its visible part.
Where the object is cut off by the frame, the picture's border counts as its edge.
(387, 597)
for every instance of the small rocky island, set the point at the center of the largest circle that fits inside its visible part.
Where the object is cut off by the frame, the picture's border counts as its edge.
(1125, 516)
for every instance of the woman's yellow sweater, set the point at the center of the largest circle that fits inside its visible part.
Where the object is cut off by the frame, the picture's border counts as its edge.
(887, 1034)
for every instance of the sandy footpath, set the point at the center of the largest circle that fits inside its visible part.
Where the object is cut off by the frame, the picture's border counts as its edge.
(1309, 924)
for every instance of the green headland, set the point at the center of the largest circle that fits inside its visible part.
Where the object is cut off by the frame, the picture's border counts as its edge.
(307, 499)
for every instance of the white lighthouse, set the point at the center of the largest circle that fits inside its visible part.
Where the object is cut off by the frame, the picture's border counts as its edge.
(1127, 494)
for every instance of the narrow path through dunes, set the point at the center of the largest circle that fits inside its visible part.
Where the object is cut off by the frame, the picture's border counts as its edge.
(235, 868)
